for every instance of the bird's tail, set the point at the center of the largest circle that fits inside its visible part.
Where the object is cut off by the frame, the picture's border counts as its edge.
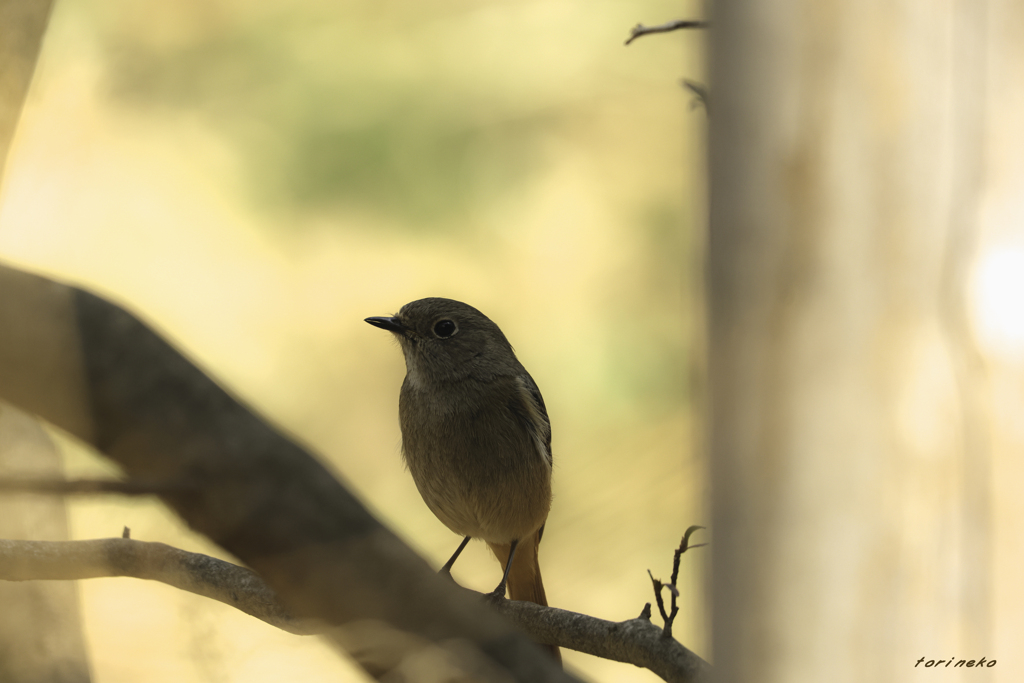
(524, 580)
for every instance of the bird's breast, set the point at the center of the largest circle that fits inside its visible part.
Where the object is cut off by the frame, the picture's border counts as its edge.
(475, 464)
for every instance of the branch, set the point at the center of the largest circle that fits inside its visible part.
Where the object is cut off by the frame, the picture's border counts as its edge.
(200, 574)
(635, 641)
(641, 30)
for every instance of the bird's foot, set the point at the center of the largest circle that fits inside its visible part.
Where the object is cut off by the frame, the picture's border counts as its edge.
(496, 595)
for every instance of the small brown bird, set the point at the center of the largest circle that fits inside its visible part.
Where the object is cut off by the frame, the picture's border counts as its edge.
(475, 436)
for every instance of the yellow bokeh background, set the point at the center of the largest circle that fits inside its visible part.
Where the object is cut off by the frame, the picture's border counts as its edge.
(254, 179)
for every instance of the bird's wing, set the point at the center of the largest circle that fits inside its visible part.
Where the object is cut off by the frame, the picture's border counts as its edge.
(535, 413)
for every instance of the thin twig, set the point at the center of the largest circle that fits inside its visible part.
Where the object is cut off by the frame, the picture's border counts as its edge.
(684, 545)
(670, 616)
(641, 30)
(645, 613)
(658, 585)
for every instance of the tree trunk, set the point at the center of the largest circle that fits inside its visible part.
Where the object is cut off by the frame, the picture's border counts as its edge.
(40, 625)
(850, 458)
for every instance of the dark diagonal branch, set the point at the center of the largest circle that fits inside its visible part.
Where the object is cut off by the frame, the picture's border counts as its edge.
(641, 30)
(93, 369)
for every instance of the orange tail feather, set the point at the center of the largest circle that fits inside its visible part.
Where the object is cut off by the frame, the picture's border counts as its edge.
(524, 580)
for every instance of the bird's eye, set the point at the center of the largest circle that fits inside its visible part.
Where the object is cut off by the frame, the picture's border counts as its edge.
(445, 328)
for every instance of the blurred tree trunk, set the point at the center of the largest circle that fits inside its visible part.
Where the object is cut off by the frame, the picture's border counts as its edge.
(850, 461)
(40, 624)
(22, 25)
(1002, 229)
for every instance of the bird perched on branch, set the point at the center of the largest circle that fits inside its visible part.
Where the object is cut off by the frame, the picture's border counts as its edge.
(475, 436)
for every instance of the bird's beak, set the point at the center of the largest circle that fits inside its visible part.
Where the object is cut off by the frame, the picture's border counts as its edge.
(389, 324)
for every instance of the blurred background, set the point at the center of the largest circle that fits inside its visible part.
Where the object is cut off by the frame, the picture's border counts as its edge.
(254, 179)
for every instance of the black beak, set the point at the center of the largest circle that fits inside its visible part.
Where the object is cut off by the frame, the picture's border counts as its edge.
(389, 324)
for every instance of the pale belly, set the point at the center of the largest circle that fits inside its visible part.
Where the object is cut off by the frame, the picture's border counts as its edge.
(500, 511)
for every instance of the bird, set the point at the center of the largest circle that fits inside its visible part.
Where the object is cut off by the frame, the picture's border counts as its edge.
(475, 436)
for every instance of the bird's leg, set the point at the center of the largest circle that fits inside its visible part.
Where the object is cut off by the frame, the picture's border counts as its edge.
(447, 568)
(499, 592)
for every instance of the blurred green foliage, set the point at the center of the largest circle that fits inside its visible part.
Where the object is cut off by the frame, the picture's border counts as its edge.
(317, 134)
